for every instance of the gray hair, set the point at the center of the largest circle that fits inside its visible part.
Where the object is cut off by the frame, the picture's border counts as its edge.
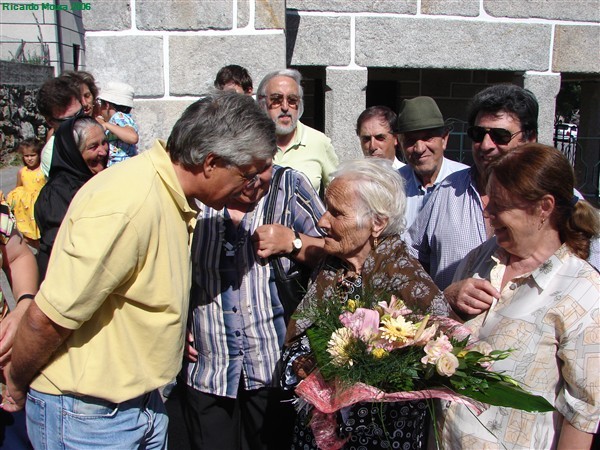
(261, 93)
(380, 190)
(81, 130)
(228, 125)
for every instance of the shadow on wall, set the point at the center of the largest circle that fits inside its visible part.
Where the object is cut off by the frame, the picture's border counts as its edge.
(292, 23)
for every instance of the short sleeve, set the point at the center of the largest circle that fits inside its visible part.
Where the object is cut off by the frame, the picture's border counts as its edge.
(330, 162)
(579, 395)
(92, 258)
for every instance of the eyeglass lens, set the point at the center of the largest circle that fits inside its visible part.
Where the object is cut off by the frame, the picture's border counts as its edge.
(499, 136)
(276, 100)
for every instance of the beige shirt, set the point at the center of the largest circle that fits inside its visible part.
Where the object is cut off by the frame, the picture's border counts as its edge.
(550, 317)
(311, 153)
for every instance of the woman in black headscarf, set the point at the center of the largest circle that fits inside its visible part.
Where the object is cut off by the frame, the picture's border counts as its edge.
(80, 152)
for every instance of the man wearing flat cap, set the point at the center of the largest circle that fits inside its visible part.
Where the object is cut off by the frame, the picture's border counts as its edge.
(423, 136)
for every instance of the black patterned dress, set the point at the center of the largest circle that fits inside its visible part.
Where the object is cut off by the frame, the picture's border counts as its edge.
(391, 270)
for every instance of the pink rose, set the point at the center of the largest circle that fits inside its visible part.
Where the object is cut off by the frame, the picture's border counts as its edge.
(435, 349)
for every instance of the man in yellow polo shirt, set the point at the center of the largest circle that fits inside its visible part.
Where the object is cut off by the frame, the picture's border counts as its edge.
(280, 94)
(106, 329)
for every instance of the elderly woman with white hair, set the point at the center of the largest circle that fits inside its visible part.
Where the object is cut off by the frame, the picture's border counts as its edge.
(363, 222)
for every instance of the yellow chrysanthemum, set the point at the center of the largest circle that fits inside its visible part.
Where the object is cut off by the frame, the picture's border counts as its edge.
(337, 347)
(398, 330)
(351, 305)
(379, 353)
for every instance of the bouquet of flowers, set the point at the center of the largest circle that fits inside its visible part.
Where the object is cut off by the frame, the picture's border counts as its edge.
(383, 351)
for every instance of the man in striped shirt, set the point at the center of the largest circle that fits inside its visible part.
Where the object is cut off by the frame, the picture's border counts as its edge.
(501, 118)
(236, 320)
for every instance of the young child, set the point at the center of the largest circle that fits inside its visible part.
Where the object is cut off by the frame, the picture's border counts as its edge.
(116, 102)
(30, 180)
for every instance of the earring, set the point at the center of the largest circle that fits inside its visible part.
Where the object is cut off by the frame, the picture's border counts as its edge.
(375, 242)
(541, 223)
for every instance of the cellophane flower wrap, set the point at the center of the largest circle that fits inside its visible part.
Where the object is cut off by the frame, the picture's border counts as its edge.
(381, 351)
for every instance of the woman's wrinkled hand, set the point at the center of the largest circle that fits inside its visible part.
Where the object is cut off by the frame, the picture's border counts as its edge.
(303, 365)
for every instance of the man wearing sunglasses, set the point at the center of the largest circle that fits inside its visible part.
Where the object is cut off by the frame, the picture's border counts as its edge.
(58, 101)
(423, 136)
(501, 118)
(303, 148)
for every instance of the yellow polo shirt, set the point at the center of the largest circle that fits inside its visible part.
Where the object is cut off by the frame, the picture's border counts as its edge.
(119, 277)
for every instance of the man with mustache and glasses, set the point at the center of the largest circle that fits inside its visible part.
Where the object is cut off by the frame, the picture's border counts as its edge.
(501, 118)
(303, 148)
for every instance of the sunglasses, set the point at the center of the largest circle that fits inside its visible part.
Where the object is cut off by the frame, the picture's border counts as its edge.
(64, 119)
(499, 136)
(276, 100)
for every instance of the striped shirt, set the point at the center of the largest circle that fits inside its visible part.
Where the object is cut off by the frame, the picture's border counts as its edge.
(236, 317)
(450, 225)
(417, 195)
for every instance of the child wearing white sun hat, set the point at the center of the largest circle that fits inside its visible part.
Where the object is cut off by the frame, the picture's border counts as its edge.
(115, 102)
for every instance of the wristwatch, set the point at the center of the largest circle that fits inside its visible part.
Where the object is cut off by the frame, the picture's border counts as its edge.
(296, 244)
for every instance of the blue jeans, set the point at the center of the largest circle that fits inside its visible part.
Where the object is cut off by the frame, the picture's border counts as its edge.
(68, 421)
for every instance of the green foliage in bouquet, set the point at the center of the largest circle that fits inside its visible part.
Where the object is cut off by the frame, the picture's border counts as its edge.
(390, 347)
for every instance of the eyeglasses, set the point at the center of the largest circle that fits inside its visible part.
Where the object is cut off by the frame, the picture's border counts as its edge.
(499, 136)
(276, 100)
(252, 179)
(64, 119)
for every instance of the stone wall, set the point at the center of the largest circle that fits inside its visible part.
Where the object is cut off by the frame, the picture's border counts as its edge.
(19, 118)
(171, 50)
(22, 74)
(530, 39)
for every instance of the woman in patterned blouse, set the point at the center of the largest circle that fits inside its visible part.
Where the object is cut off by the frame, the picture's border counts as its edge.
(531, 290)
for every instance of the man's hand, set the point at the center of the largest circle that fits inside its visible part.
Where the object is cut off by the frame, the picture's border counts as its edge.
(8, 330)
(274, 239)
(189, 351)
(14, 398)
(471, 296)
